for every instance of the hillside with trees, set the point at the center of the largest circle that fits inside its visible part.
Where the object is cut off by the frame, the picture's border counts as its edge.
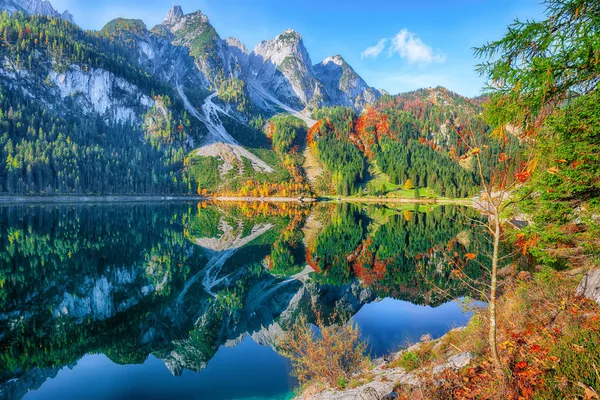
(412, 138)
(121, 126)
(539, 335)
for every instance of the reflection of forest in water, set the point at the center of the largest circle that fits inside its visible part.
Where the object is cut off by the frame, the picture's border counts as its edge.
(178, 281)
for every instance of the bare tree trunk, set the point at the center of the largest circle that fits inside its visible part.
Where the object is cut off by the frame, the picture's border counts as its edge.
(492, 304)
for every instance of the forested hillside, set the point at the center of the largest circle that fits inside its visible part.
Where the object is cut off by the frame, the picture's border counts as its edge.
(59, 147)
(412, 138)
(124, 110)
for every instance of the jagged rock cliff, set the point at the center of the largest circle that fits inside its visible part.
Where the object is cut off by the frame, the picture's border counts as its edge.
(102, 92)
(284, 63)
(194, 32)
(33, 7)
(343, 85)
(185, 51)
(279, 69)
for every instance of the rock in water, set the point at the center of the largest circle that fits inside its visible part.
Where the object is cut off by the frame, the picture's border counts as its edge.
(590, 286)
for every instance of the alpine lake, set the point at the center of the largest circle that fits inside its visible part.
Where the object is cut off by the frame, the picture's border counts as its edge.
(188, 300)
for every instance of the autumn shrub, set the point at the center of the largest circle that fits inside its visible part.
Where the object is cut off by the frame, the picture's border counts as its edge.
(549, 346)
(325, 353)
(409, 361)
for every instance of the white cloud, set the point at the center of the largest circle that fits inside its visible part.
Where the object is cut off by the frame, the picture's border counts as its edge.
(410, 46)
(374, 51)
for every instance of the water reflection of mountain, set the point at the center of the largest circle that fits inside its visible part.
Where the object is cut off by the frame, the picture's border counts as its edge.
(180, 281)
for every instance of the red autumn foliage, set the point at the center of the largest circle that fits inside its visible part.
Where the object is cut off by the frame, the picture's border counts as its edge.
(311, 261)
(363, 257)
(523, 243)
(313, 133)
(370, 127)
(271, 130)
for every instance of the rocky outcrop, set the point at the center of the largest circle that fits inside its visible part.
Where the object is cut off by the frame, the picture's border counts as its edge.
(386, 377)
(279, 69)
(96, 298)
(100, 91)
(284, 63)
(343, 85)
(590, 286)
(234, 42)
(174, 16)
(34, 7)
(195, 32)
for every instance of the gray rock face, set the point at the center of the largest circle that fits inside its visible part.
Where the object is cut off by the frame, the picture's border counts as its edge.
(590, 286)
(343, 85)
(234, 42)
(210, 53)
(385, 379)
(455, 362)
(34, 7)
(286, 54)
(186, 53)
(277, 70)
(96, 90)
(174, 16)
(67, 16)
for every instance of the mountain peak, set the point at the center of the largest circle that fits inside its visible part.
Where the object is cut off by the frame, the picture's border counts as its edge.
(174, 16)
(235, 42)
(337, 59)
(34, 7)
(67, 16)
(289, 35)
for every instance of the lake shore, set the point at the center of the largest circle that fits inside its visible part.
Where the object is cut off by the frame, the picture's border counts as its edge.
(95, 199)
(137, 199)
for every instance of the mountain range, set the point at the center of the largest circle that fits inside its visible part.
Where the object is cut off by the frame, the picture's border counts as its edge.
(42, 7)
(279, 68)
(199, 103)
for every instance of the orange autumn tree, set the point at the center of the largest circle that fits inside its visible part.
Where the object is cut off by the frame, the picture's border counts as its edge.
(369, 129)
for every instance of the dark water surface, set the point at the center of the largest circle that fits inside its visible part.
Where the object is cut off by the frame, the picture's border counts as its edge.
(189, 300)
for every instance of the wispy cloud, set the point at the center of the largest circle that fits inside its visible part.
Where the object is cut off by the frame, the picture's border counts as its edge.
(411, 47)
(408, 46)
(374, 51)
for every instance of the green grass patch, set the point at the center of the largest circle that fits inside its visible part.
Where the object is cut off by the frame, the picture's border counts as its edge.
(205, 172)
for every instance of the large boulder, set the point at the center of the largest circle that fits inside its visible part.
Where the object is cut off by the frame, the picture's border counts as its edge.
(590, 286)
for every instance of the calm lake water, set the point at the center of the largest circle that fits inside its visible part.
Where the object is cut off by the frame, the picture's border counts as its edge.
(187, 300)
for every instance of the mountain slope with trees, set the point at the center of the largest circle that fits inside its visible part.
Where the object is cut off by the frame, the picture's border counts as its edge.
(134, 105)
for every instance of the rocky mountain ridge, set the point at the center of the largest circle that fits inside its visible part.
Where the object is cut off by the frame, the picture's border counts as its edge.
(201, 100)
(281, 67)
(33, 7)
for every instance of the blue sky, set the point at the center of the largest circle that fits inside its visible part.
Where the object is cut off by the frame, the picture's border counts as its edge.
(396, 45)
